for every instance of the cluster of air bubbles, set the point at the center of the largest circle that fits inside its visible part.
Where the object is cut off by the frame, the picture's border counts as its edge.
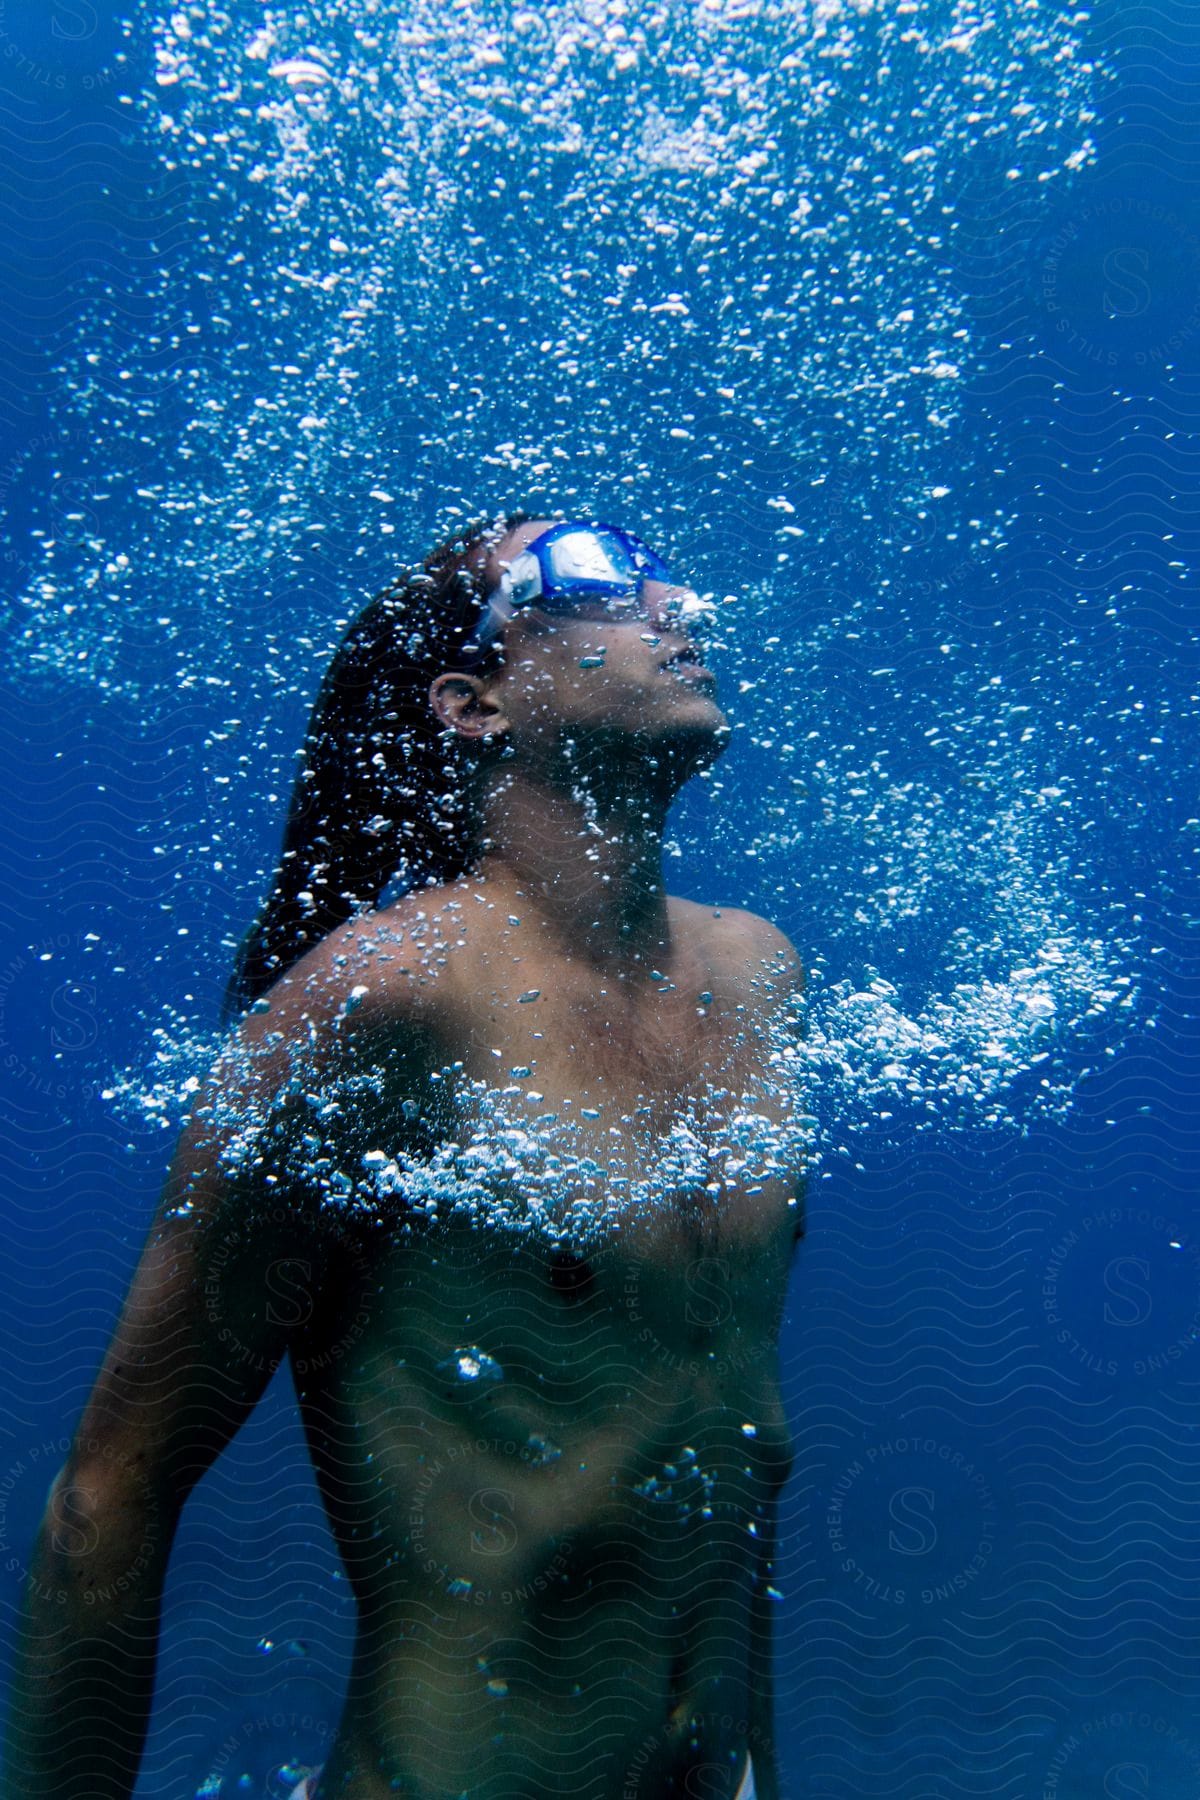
(682, 1486)
(430, 260)
(960, 1058)
(692, 268)
(842, 1061)
(158, 1091)
(522, 1168)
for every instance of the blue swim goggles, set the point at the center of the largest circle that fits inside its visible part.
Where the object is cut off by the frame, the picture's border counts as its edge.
(588, 570)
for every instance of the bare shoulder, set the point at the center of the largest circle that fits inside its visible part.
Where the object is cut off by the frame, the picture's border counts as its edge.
(744, 944)
(382, 966)
(380, 998)
(356, 1019)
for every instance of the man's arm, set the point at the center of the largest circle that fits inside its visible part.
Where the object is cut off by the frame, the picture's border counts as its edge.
(194, 1349)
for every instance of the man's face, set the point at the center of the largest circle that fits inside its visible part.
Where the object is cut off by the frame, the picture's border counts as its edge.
(603, 678)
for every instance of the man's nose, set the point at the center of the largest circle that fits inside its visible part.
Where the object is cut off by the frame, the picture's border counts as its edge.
(675, 608)
(663, 602)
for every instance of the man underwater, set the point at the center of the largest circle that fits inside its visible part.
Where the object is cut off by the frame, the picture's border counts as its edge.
(521, 1142)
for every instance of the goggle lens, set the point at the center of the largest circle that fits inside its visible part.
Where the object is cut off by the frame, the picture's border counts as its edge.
(591, 556)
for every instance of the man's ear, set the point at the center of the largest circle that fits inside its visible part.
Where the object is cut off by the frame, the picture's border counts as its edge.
(464, 704)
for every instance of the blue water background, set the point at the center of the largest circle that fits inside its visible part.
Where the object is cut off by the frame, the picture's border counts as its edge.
(1029, 1624)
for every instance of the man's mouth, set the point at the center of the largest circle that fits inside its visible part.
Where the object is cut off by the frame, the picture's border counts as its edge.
(684, 665)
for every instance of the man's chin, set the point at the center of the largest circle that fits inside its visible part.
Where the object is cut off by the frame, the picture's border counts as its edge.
(719, 739)
(696, 747)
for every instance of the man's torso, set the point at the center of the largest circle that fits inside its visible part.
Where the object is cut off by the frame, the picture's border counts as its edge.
(540, 1381)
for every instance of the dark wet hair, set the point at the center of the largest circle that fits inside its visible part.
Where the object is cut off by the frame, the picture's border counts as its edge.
(384, 789)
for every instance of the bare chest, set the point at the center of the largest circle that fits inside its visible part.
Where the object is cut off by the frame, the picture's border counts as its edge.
(572, 1112)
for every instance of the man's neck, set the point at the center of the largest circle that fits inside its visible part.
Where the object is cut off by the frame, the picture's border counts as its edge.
(587, 858)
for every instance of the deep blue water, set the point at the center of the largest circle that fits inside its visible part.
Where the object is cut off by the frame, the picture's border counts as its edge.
(991, 1352)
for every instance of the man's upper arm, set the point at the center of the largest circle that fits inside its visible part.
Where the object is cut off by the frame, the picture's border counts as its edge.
(240, 1220)
(195, 1343)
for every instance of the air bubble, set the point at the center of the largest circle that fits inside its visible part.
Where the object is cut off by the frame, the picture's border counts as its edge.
(541, 1452)
(472, 1365)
